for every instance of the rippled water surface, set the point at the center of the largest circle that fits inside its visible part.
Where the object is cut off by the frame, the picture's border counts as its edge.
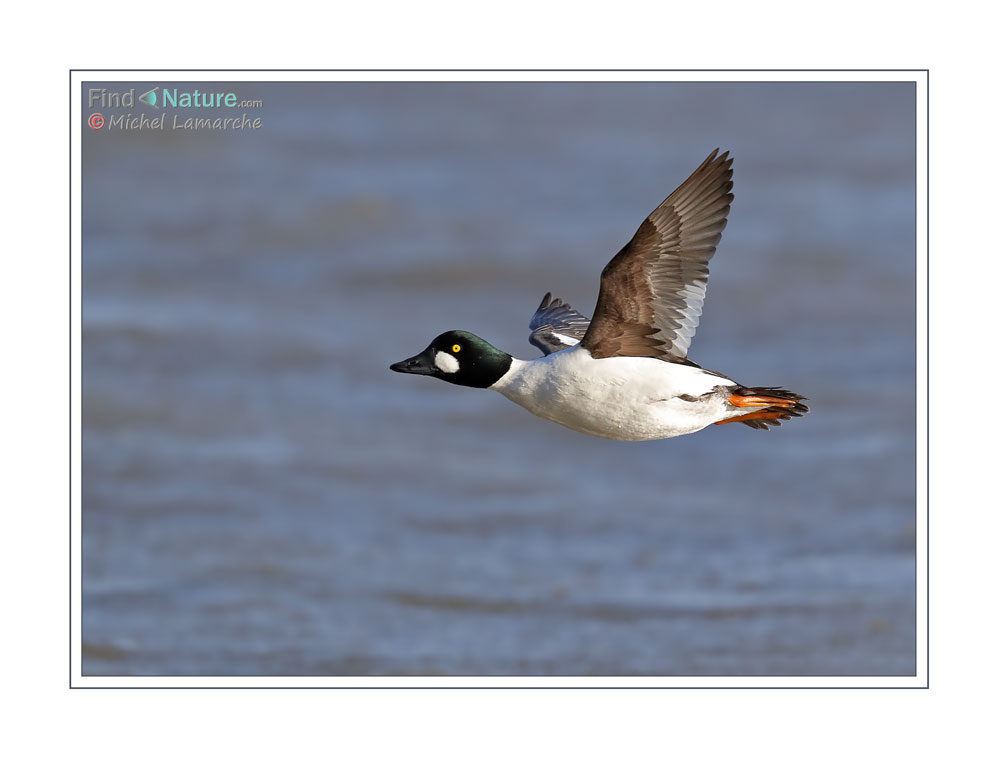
(261, 496)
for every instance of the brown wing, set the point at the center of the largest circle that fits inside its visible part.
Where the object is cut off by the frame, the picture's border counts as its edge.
(651, 293)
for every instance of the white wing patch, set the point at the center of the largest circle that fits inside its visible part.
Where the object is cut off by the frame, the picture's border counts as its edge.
(446, 362)
(565, 338)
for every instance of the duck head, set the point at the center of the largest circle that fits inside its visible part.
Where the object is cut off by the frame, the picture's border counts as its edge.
(460, 358)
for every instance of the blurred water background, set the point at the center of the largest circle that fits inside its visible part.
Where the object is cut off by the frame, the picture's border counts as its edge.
(261, 496)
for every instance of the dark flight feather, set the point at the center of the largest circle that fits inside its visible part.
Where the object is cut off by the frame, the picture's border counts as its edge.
(652, 291)
(554, 320)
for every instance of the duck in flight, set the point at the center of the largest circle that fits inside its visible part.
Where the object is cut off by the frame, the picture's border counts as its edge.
(625, 374)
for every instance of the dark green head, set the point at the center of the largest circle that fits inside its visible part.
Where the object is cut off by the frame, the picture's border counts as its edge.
(459, 357)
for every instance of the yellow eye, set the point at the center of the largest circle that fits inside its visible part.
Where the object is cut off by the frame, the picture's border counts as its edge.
(455, 348)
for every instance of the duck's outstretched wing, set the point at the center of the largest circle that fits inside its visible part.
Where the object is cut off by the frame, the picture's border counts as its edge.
(651, 293)
(556, 325)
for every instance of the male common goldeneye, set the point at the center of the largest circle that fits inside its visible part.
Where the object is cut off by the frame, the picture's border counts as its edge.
(625, 374)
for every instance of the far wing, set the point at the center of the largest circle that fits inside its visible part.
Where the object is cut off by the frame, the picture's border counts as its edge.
(556, 325)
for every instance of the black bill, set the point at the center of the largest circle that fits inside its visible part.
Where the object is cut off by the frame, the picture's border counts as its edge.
(420, 364)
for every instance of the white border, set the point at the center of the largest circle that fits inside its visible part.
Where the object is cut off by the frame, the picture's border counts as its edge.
(919, 78)
(922, 373)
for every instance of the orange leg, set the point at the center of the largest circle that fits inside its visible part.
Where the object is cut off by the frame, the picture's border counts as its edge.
(742, 401)
(755, 415)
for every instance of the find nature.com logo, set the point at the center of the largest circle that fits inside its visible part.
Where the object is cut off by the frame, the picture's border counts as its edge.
(169, 99)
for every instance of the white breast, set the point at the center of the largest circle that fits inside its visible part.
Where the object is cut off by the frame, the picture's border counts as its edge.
(623, 398)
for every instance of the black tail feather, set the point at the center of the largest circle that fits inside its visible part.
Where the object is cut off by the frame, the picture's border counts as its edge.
(783, 412)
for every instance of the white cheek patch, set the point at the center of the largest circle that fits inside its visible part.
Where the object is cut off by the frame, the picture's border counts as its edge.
(446, 362)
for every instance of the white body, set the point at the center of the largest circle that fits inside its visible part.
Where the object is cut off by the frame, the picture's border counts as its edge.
(622, 398)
